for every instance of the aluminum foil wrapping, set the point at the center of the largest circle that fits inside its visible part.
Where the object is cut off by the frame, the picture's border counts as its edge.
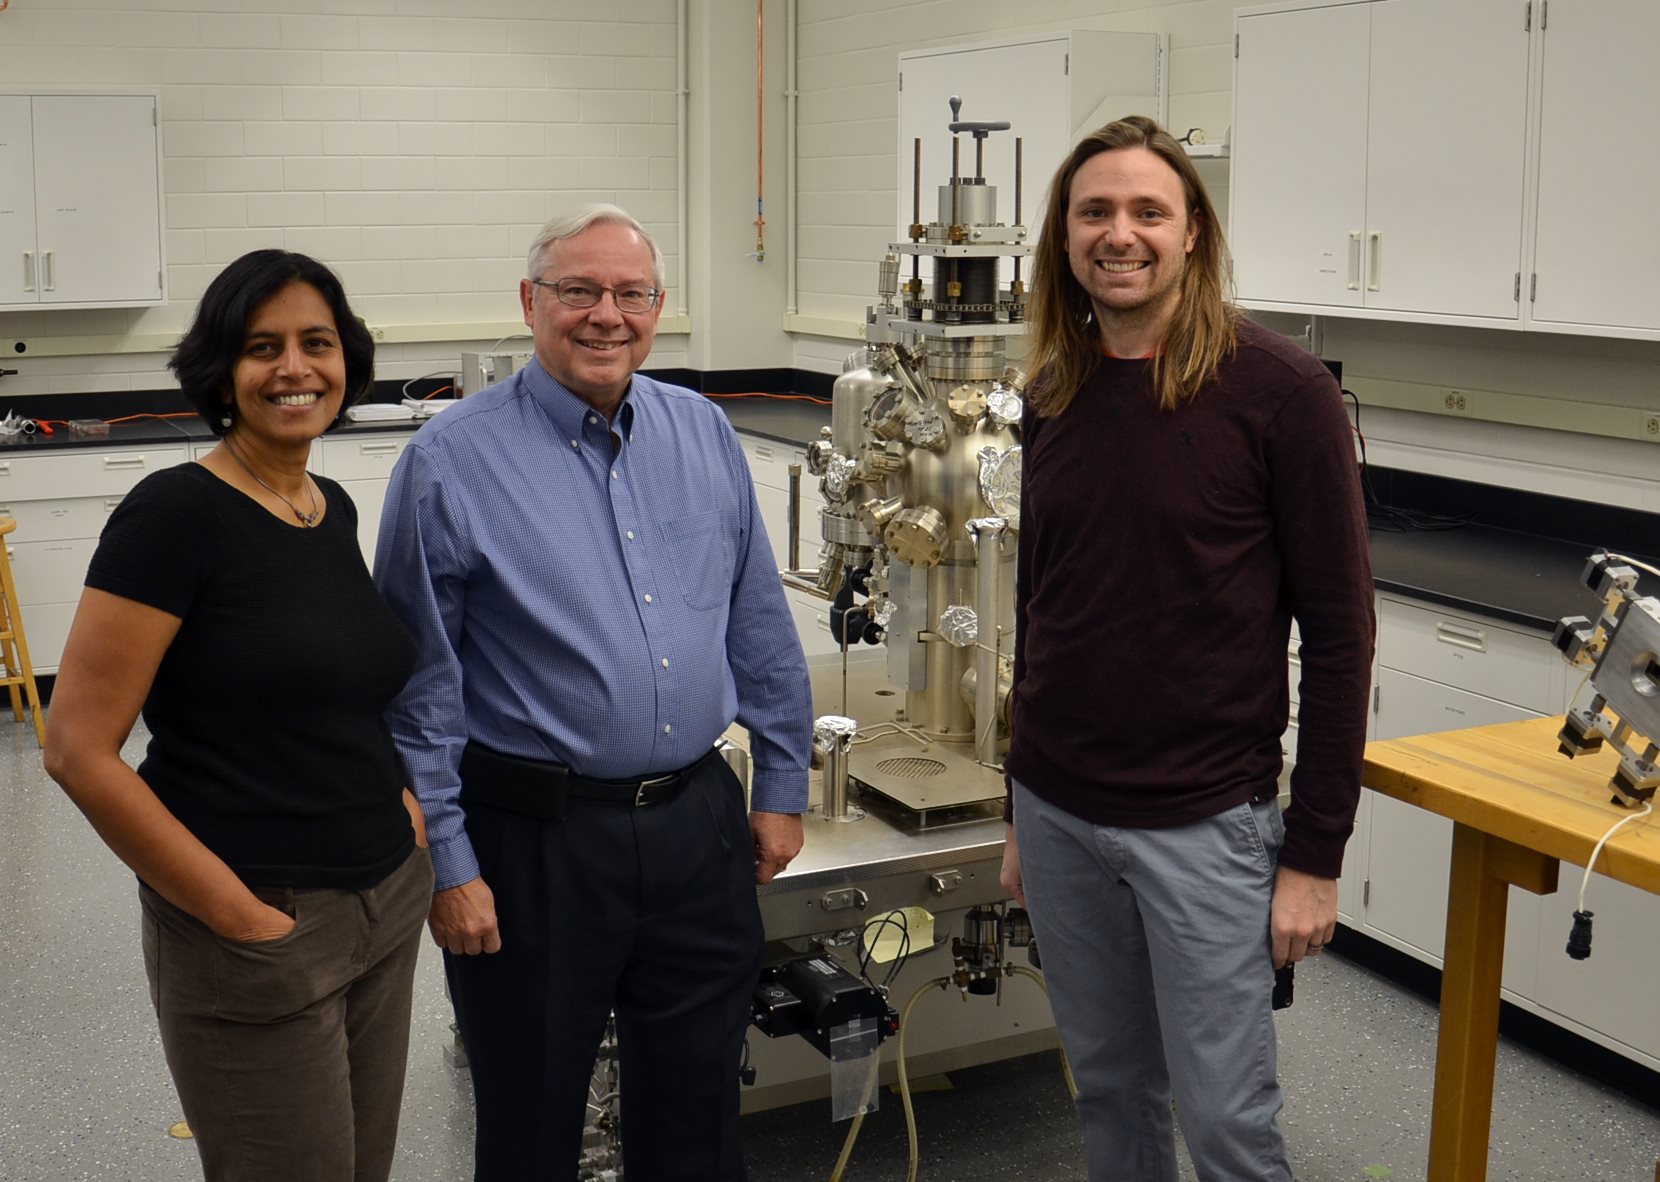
(960, 625)
(838, 477)
(829, 729)
(1005, 406)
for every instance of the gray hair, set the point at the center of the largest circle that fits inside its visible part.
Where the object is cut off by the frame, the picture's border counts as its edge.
(569, 225)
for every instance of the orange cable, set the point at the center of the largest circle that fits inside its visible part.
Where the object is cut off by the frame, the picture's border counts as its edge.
(780, 397)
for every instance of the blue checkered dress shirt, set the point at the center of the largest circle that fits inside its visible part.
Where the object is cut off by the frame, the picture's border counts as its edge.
(611, 606)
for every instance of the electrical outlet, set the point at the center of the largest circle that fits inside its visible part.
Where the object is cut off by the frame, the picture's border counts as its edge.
(1457, 402)
(1649, 426)
(378, 333)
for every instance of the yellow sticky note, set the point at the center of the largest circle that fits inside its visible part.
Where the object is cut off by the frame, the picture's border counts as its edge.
(908, 929)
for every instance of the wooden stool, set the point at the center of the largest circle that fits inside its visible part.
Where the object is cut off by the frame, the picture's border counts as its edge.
(14, 647)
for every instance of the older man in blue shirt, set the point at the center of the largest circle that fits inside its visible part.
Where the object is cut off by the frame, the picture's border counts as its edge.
(579, 555)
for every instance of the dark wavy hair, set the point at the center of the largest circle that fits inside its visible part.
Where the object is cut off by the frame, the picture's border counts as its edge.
(205, 360)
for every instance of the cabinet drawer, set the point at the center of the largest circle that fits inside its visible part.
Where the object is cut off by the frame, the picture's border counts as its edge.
(362, 459)
(81, 474)
(769, 466)
(59, 518)
(1469, 653)
(1409, 705)
(51, 572)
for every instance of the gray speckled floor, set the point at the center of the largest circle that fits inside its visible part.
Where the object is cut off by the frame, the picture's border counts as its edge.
(84, 1093)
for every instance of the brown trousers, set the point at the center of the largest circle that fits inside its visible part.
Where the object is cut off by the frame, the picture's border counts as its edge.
(289, 1054)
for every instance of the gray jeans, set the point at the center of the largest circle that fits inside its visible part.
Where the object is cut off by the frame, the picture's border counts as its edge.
(1155, 944)
(289, 1054)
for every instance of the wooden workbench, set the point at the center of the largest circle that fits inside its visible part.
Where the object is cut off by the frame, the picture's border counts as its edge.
(1519, 809)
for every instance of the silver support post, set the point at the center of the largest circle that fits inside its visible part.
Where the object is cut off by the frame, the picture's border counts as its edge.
(795, 517)
(988, 554)
(833, 737)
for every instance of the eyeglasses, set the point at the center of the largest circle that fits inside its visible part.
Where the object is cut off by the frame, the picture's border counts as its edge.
(585, 293)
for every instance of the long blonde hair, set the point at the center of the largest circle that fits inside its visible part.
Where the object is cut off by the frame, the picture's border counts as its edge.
(1065, 343)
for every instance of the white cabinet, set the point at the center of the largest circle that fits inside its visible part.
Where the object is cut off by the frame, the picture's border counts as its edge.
(80, 201)
(60, 502)
(1610, 997)
(1068, 84)
(1406, 896)
(1378, 159)
(769, 464)
(1298, 179)
(1440, 670)
(362, 465)
(1596, 237)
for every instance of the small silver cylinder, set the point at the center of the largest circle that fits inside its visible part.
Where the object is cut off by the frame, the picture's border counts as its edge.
(833, 738)
(794, 551)
(737, 759)
(975, 205)
(988, 569)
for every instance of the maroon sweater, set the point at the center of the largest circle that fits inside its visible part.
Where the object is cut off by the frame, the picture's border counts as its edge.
(1162, 557)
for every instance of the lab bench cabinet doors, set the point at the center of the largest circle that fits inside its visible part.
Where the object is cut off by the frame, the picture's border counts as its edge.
(1597, 240)
(1348, 193)
(1411, 849)
(17, 202)
(80, 201)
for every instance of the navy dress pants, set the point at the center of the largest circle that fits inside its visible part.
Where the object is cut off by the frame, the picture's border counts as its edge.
(649, 911)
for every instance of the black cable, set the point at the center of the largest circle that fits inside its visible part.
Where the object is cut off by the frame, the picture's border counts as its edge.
(898, 961)
(867, 943)
(1390, 518)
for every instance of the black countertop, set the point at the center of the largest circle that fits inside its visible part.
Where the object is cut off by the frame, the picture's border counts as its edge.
(163, 431)
(1520, 578)
(782, 419)
(1523, 578)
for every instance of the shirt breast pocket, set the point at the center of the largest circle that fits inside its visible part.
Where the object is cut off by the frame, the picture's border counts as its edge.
(701, 549)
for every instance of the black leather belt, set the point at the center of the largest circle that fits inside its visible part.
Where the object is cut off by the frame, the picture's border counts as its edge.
(540, 788)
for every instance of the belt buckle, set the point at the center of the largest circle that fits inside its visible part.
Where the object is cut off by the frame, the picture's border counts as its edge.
(655, 782)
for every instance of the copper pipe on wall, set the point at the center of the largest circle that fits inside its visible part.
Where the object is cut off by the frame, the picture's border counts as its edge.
(760, 129)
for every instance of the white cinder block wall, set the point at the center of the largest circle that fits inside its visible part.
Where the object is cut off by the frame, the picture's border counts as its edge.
(416, 144)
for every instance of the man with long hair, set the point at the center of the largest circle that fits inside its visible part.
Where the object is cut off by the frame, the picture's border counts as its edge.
(1190, 488)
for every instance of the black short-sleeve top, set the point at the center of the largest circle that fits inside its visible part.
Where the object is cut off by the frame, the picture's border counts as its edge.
(266, 717)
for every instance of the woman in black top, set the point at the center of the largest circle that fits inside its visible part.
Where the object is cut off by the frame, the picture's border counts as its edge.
(282, 869)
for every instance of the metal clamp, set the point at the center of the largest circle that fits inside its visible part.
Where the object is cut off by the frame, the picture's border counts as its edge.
(842, 900)
(945, 880)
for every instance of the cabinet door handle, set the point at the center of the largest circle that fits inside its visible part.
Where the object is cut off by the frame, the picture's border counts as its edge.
(377, 449)
(764, 454)
(28, 270)
(113, 463)
(1461, 636)
(1374, 270)
(46, 282)
(1354, 260)
(6, 468)
(111, 504)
